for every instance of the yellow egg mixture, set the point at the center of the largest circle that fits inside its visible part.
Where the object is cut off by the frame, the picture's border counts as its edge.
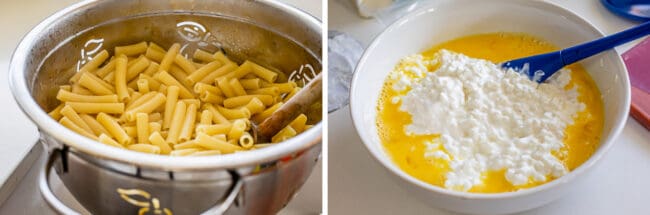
(580, 141)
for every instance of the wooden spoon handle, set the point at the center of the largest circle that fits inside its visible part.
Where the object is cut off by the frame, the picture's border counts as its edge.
(298, 104)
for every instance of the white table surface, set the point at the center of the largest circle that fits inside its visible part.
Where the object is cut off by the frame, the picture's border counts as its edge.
(620, 184)
(18, 133)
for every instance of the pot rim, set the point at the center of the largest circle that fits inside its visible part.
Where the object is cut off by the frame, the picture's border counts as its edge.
(46, 125)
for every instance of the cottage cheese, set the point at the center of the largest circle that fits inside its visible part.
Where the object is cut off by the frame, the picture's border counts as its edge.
(487, 118)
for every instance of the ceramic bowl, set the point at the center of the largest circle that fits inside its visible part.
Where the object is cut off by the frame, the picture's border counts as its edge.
(446, 20)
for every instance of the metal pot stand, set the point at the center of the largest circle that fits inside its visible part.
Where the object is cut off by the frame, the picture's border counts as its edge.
(107, 187)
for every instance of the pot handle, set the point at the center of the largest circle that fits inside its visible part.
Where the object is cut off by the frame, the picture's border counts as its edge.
(46, 191)
(230, 199)
(62, 208)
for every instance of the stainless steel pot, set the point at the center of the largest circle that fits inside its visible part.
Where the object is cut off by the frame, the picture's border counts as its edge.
(108, 180)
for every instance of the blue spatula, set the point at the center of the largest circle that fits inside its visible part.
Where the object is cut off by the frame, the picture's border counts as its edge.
(540, 67)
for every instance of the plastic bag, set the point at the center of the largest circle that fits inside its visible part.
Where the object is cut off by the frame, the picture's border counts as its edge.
(387, 11)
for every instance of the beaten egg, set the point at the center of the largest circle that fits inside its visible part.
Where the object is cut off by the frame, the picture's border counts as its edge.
(581, 138)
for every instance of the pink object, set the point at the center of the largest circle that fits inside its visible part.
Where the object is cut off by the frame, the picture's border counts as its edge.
(637, 60)
(640, 109)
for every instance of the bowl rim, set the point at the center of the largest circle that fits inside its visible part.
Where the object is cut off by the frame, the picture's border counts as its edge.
(18, 84)
(618, 121)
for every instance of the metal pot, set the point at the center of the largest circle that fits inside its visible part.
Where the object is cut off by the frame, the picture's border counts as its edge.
(108, 180)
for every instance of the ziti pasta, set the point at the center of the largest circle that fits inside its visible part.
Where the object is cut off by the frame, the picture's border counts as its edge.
(151, 100)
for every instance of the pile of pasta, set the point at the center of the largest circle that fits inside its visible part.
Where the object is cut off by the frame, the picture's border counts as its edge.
(152, 100)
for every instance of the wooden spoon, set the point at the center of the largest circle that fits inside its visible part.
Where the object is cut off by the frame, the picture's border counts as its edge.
(298, 104)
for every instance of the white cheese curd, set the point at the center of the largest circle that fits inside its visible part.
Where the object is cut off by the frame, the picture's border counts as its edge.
(487, 118)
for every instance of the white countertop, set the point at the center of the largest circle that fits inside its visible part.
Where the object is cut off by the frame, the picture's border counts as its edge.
(18, 133)
(620, 184)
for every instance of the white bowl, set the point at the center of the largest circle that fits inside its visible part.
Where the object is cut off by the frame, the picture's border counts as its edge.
(445, 20)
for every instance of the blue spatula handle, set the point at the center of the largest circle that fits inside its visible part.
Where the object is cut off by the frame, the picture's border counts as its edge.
(582, 51)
